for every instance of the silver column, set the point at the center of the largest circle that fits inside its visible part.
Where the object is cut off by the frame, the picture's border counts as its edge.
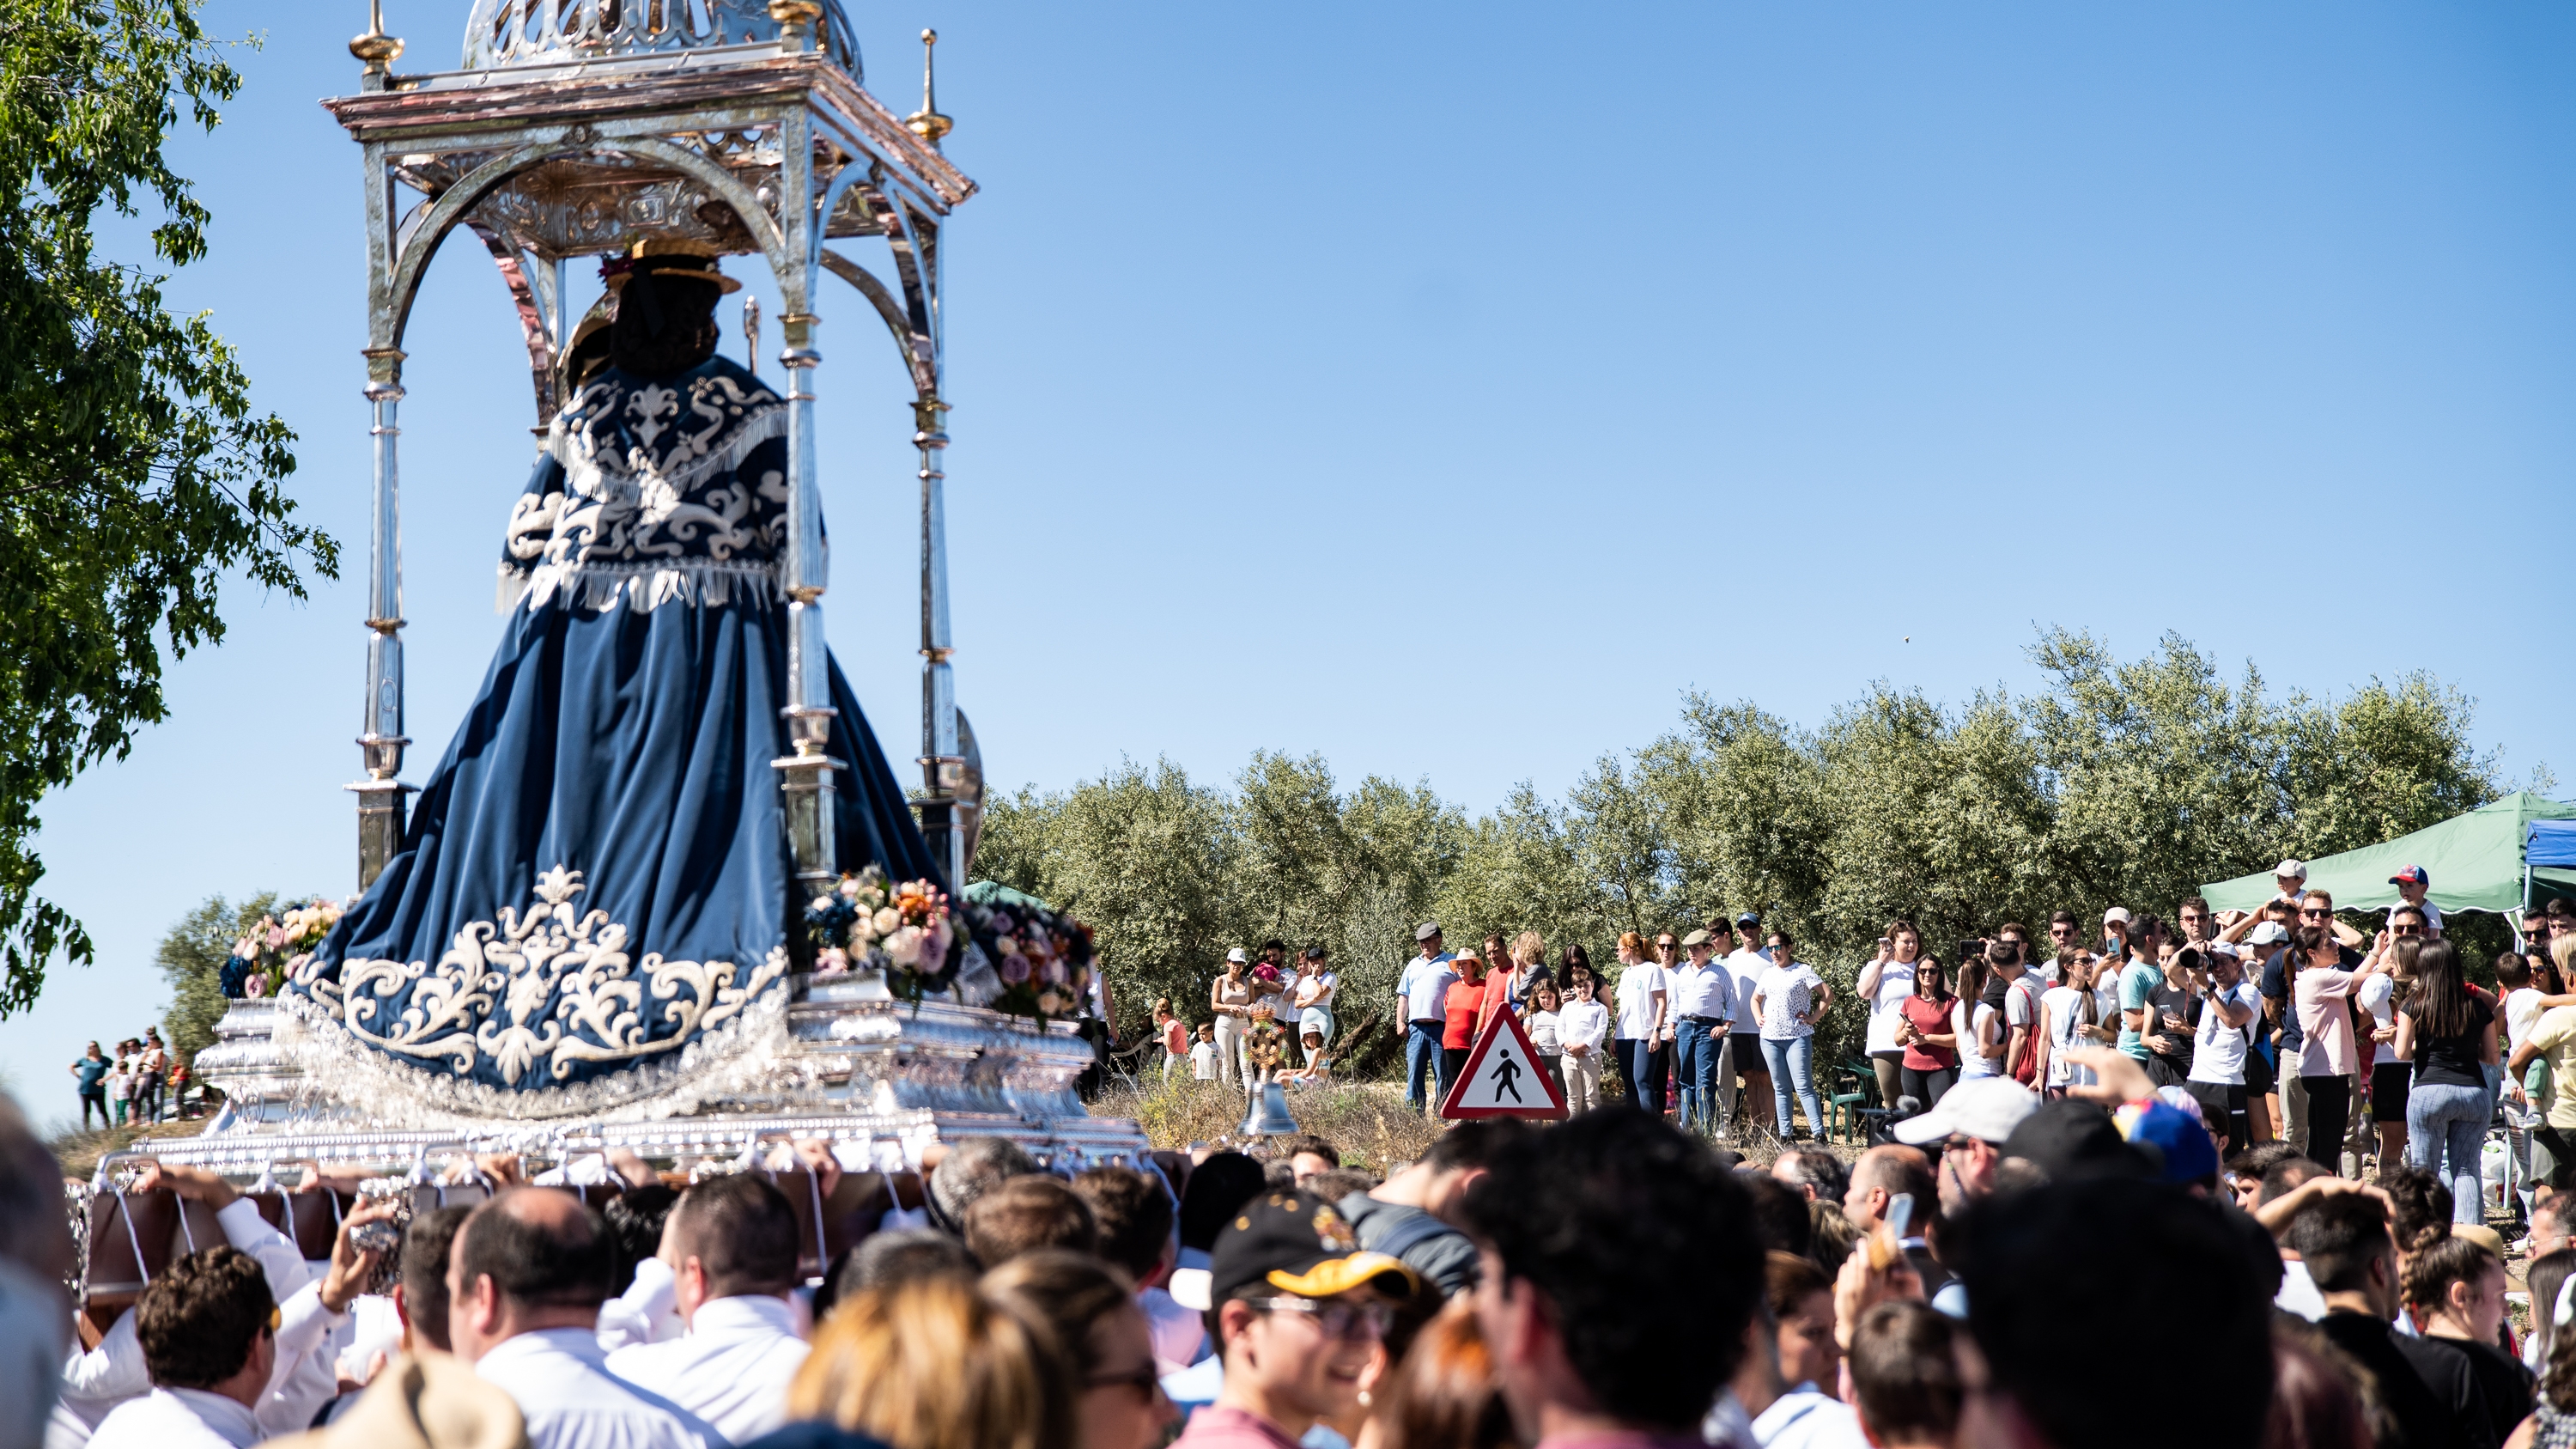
(380, 795)
(805, 777)
(942, 766)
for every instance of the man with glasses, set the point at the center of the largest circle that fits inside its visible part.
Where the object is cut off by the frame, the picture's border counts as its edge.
(1970, 1125)
(1297, 1310)
(2065, 933)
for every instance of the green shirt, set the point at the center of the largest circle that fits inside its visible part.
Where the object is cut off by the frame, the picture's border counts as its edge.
(2139, 981)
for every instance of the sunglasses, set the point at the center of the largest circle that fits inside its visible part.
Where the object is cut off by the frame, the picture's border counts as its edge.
(2406, 930)
(2307, 911)
(1336, 1318)
(1145, 1381)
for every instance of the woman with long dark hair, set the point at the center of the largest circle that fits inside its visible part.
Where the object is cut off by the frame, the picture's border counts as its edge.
(1931, 1061)
(2449, 1036)
(1971, 1020)
(1886, 980)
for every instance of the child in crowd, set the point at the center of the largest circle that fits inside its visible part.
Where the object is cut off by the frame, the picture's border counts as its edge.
(120, 1085)
(1582, 1026)
(1172, 1032)
(1203, 1056)
(1542, 1024)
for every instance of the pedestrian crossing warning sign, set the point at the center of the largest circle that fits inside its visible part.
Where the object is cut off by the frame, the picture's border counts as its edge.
(1502, 1077)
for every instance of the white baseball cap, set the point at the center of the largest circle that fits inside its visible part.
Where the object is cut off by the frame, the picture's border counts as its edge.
(2116, 913)
(2297, 869)
(2268, 933)
(1986, 1108)
(1236, 955)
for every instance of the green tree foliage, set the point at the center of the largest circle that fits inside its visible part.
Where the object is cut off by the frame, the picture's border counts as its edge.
(2117, 783)
(134, 476)
(191, 957)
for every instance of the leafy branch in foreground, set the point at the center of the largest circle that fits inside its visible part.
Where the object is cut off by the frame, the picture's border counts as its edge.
(134, 475)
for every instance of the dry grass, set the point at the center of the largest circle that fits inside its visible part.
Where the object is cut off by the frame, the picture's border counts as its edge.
(79, 1152)
(1366, 1120)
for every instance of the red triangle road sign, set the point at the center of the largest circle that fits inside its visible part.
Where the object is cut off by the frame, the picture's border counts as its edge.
(1502, 1077)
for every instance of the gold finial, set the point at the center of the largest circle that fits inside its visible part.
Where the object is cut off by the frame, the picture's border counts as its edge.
(927, 123)
(795, 17)
(375, 47)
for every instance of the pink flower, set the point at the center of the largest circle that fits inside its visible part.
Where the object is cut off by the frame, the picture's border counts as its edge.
(829, 960)
(1015, 969)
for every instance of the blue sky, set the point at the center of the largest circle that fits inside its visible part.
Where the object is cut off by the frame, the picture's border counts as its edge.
(1449, 389)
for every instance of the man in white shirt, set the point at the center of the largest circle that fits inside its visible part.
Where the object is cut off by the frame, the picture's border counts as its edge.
(1703, 1005)
(731, 1245)
(1422, 993)
(1742, 1060)
(2228, 1008)
(208, 1330)
(312, 1311)
(524, 1285)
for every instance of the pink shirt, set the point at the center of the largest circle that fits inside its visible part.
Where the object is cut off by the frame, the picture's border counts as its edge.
(1218, 1427)
(2324, 995)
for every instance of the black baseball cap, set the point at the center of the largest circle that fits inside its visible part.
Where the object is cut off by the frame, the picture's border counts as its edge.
(1302, 1245)
(2072, 1141)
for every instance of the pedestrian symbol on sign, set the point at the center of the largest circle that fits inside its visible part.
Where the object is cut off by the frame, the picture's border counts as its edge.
(1489, 1084)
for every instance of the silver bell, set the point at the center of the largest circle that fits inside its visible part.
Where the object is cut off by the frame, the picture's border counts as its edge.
(1269, 1114)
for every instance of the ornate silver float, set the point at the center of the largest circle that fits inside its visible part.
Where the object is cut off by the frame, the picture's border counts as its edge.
(578, 128)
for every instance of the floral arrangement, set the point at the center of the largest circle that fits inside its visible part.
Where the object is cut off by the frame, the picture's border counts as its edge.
(906, 931)
(1017, 957)
(276, 945)
(1043, 958)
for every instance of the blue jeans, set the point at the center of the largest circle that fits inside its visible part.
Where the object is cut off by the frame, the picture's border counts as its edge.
(2450, 1120)
(1695, 1050)
(1421, 1060)
(1791, 1064)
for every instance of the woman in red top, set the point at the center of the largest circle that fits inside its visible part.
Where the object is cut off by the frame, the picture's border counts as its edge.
(1465, 1002)
(1931, 1061)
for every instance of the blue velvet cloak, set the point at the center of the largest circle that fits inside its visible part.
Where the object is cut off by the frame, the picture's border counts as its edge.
(595, 886)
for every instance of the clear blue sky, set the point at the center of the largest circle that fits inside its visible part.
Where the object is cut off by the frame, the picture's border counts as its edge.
(1449, 388)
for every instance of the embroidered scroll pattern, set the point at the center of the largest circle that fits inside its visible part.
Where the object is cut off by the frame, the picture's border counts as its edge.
(531, 996)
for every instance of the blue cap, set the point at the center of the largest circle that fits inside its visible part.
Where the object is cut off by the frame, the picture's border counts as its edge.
(2189, 1154)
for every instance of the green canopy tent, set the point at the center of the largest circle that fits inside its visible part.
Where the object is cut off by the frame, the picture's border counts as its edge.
(2475, 861)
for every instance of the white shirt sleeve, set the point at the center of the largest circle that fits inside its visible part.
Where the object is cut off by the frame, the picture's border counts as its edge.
(647, 1312)
(276, 1253)
(307, 1372)
(112, 1371)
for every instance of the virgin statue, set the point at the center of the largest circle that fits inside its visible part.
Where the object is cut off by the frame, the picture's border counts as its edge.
(594, 893)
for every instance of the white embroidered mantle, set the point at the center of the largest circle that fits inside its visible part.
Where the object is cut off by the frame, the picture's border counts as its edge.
(532, 997)
(652, 507)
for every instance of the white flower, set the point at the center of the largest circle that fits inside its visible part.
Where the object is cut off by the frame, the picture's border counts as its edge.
(887, 918)
(1050, 1002)
(904, 946)
(821, 903)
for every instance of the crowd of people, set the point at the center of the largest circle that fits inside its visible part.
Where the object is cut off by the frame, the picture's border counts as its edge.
(141, 1081)
(2183, 1142)
(1612, 1280)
